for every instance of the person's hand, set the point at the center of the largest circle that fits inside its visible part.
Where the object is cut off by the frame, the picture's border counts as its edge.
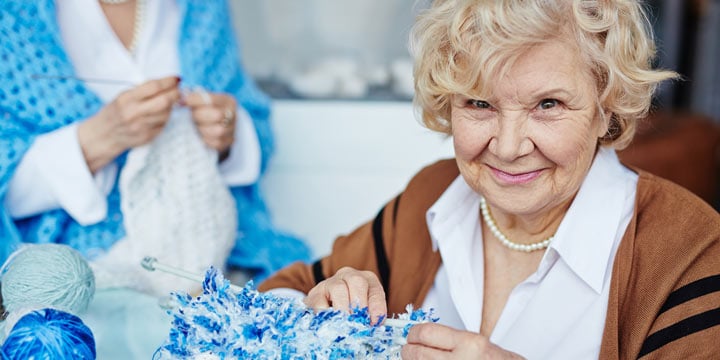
(214, 116)
(435, 341)
(133, 118)
(347, 289)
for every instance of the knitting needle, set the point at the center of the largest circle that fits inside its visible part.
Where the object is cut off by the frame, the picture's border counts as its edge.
(88, 80)
(151, 264)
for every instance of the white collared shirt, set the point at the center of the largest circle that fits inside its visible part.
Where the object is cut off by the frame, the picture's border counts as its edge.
(53, 172)
(559, 311)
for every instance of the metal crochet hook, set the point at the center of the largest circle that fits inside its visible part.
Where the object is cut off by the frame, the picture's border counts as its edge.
(87, 80)
(150, 263)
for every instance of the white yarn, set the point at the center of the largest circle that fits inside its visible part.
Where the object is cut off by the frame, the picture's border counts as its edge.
(176, 208)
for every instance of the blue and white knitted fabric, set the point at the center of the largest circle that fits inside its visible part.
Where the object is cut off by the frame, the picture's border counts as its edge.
(31, 44)
(225, 323)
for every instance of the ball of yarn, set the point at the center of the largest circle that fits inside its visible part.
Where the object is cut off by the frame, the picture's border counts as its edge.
(49, 334)
(47, 275)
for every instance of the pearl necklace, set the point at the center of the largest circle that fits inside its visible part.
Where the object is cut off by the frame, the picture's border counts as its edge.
(503, 239)
(139, 18)
(137, 27)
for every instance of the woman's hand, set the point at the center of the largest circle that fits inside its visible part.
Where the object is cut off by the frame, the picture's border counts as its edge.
(350, 288)
(133, 118)
(435, 341)
(214, 116)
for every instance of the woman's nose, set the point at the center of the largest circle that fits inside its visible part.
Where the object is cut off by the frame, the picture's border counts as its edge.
(511, 140)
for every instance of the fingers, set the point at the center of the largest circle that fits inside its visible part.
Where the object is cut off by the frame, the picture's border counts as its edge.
(435, 341)
(138, 115)
(318, 297)
(217, 137)
(161, 103)
(210, 115)
(152, 98)
(228, 118)
(196, 99)
(339, 294)
(433, 335)
(356, 283)
(151, 88)
(214, 116)
(211, 107)
(215, 128)
(377, 306)
(348, 289)
(335, 292)
(413, 352)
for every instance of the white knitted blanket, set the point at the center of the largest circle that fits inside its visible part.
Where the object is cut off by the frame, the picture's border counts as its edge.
(176, 208)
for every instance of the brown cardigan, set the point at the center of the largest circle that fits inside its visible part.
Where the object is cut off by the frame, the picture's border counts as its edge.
(665, 291)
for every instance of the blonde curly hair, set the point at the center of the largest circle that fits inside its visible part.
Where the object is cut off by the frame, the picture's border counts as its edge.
(460, 45)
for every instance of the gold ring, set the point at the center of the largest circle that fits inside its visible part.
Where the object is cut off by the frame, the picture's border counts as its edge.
(227, 120)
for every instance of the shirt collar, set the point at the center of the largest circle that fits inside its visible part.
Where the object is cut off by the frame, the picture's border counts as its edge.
(588, 232)
(455, 207)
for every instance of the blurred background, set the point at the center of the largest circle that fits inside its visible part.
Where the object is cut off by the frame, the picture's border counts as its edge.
(348, 140)
(361, 48)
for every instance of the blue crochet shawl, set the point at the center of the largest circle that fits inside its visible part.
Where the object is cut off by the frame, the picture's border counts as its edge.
(31, 44)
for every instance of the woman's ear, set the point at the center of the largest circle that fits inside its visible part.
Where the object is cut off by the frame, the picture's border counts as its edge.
(607, 122)
(606, 119)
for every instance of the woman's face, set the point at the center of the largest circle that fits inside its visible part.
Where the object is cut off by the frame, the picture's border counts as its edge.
(528, 146)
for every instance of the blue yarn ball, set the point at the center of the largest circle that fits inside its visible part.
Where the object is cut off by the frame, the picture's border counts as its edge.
(47, 275)
(49, 334)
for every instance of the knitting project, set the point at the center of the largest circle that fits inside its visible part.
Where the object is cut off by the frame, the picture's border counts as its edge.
(177, 209)
(226, 324)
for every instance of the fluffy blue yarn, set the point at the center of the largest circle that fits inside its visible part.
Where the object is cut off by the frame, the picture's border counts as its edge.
(47, 275)
(49, 334)
(223, 323)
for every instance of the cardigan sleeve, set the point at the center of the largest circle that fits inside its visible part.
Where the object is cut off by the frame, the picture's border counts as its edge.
(357, 250)
(54, 174)
(242, 167)
(665, 292)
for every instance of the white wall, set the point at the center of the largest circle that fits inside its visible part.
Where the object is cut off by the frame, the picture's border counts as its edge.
(337, 163)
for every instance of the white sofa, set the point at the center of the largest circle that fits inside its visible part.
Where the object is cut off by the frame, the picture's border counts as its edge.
(337, 162)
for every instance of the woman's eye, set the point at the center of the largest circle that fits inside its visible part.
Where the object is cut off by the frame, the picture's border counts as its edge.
(480, 104)
(546, 104)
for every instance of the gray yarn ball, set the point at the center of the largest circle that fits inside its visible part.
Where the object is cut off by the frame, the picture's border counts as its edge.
(47, 275)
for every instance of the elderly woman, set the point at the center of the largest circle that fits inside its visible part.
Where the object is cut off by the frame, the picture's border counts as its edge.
(535, 241)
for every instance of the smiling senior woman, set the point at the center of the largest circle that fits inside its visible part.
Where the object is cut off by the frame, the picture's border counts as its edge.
(535, 241)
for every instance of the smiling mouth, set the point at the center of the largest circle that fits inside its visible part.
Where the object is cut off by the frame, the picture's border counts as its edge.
(515, 179)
